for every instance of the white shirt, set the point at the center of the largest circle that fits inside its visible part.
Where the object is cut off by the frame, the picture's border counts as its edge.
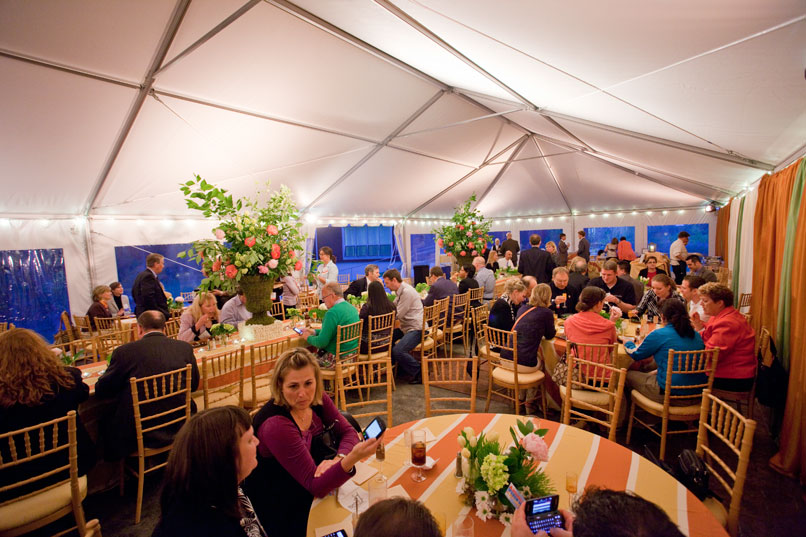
(696, 307)
(330, 272)
(505, 263)
(234, 311)
(677, 248)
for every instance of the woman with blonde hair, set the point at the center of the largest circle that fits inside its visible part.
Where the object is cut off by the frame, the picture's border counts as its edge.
(100, 296)
(492, 261)
(504, 311)
(307, 448)
(195, 323)
(36, 387)
(551, 248)
(535, 321)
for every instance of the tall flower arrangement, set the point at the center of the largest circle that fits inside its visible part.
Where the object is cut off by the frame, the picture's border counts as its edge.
(489, 469)
(467, 234)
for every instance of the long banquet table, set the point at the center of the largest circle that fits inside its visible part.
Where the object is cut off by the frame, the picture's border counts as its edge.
(596, 460)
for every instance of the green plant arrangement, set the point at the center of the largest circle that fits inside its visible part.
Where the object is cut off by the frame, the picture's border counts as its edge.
(254, 244)
(317, 314)
(466, 235)
(618, 322)
(506, 272)
(422, 287)
(293, 313)
(222, 329)
(488, 469)
(358, 301)
(312, 271)
(175, 303)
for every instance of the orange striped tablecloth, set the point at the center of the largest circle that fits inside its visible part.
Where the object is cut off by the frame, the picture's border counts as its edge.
(596, 460)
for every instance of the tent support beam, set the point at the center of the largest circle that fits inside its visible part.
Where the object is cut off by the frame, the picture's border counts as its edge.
(170, 32)
(551, 172)
(798, 153)
(456, 123)
(375, 150)
(67, 69)
(503, 170)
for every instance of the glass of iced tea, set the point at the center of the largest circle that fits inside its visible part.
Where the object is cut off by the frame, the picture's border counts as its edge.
(418, 454)
(571, 481)
(380, 455)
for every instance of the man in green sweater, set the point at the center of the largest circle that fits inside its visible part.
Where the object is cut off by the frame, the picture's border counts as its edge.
(339, 313)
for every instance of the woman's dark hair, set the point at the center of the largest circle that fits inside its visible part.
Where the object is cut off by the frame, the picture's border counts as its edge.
(202, 470)
(676, 315)
(377, 301)
(471, 270)
(623, 238)
(589, 297)
(614, 241)
(328, 251)
(397, 517)
(620, 514)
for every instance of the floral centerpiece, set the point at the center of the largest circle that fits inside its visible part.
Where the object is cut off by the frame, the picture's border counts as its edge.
(318, 314)
(505, 272)
(254, 243)
(489, 469)
(466, 235)
(644, 281)
(222, 329)
(174, 303)
(293, 313)
(359, 300)
(422, 288)
(618, 321)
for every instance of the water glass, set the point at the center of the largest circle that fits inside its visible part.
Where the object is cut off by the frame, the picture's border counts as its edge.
(463, 527)
(377, 489)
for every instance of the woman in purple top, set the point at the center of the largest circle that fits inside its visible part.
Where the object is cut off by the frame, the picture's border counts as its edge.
(294, 463)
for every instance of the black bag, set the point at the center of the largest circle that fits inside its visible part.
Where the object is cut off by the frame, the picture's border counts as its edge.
(650, 456)
(693, 474)
(324, 445)
(772, 382)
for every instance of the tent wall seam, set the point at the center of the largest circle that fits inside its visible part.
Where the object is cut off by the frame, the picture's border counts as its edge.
(502, 171)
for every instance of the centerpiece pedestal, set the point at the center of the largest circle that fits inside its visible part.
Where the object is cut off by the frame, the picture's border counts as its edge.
(258, 290)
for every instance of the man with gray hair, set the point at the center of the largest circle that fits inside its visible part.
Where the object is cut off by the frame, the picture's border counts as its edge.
(579, 273)
(360, 285)
(340, 313)
(485, 277)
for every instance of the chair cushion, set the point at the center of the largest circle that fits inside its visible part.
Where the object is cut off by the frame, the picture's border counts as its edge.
(507, 376)
(592, 397)
(718, 510)
(39, 506)
(657, 408)
(376, 356)
(263, 392)
(483, 352)
(429, 342)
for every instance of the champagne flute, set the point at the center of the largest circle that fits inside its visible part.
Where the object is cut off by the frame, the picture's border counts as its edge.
(418, 457)
(571, 480)
(380, 455)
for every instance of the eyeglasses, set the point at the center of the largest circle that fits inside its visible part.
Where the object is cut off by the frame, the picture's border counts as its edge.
(326, 296)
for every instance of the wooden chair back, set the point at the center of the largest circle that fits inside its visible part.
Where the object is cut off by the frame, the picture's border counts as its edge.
(744, 301)
(593, 353)
(172, 328)
(440, 324)
(450, 373)
(228, 367)
(175, 314)
(602, 378)
(343, 279)
(82, 323)
(108, 324)
(106, 342)
(428, 342)
(366, 387)
(381, 334)
(277, 311)
(188, 297)
(735, 433)
(503, 340)
(77, 351)
(348, 346)
(66, 325)
(307, 300)
(480, 317)
(498, 290)
(476, 295)
(262, 359)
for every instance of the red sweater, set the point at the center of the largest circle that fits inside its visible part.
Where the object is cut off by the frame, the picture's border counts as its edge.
(730, 331)
(589, 327)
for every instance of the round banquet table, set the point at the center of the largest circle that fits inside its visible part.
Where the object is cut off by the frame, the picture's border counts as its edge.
(596, 460)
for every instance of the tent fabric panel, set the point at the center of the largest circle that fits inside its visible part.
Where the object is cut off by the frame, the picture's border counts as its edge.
(201, 17)
(445, 205)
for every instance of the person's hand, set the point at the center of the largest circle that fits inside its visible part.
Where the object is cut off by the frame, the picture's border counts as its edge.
(203, 322)
(560, 299)
(307, 332)
(325, 465)
(610, 298)
(218, 292)
(360, 451)
(121, 312)
(615, 312)
(520, 528)
(696, 321)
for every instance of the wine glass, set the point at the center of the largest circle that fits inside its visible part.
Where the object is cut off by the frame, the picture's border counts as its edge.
(571, 480)
(380, 455)
(463, 527)
(418, 454)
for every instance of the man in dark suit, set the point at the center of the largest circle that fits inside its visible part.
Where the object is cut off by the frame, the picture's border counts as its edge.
(583, 246)
(441, 287)
(147, 290)
(152, 354)
(510, 245)
(372, 274)
(536, 262)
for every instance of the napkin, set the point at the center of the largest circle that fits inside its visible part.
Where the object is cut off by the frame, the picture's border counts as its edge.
(397, 492)
(363, 472)
(429, 436)
(347, 494)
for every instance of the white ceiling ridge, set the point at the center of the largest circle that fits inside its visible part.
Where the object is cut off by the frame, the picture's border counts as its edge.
(501, 172)
(433, 156)
(524, 159)
(551, 172)
(49, 64)
(794, 156)
(457, 123)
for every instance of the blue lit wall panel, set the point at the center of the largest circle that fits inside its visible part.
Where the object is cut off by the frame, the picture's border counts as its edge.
(600, 236)
(179, 274)
(422, 249)
(546, 235)
(333, 236)
(664, 236)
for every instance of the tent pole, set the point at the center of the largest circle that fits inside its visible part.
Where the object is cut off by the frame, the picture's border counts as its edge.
(551, 172)
(503, 170)
(67, 69)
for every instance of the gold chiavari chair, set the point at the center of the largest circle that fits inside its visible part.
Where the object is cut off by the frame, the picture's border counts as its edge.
(459, 374)
(188, 297)
(108, 324)
(262, 357)
(428, 343)
(744, 301)
(277, 311)
(508, 374)
(456, 323)
(172, 328)
(343, 372)
(372, 381)
(82, 324)
(228, 367)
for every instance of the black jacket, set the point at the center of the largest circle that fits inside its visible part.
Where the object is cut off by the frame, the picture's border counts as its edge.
(538, 263)
(148, 294)
(357, 287)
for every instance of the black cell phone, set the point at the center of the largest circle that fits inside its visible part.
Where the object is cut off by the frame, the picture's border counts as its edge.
(340, 533)
(374, 429)
(542, 514)
(297, 330)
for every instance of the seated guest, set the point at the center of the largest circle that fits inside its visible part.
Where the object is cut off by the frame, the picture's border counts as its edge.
(196, 321)
(485, 277)
(100, 296)
(467, 281)
(119, 305)
(504, 311)
(153, 353)
(619, 292)
(696, 268)
(377, 304)
(294, 463)
(588, 326)
(611, 249)
(409, 325)
(625, 251)
(551, 248)
(530, 282)
(36, 387)
(234, 311)
(339, 313)
(690, 291)
(506, 262)
(535, 321)
(397, 517)
(492, 260)
(441, 287)
(290, 292)
(201, 494)
(651, 269)
(563, 296)
(623, 272)
(663, 288)
(359, 286)
(676, 334)
(729, 330)
(578, 277)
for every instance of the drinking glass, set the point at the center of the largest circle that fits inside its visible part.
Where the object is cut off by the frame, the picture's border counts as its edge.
(380, 455)
(377, 489)
(571, 480)
(463, 527)
(418, 454)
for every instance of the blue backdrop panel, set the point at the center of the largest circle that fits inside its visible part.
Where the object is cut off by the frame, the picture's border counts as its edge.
(664, 236)
(334, 237)
(423, 249)
(546, 235)
(364, 242)
(600, 236)
(33, 289)
(179, 274)
(501, 235)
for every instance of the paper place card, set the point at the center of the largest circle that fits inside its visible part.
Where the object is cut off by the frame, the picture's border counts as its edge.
(363, 472)
(429, 436)
(397, 492)
(347, 495)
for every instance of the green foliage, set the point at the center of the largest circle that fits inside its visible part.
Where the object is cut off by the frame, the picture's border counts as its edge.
(467, 233)
(420, 287)
(292, 313)
(222, 329)
(507, 272)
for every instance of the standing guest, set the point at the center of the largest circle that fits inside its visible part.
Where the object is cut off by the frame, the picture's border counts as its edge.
(151, 354)
(201, 494)
(623, 271)
(147, 291)
(619, 292)
(327, 271)
(583, 246)
(119, 304)
(551, 248)
(510, 245)
(696, 268)
(196, 321)
(36, 387)
(535, 321)
(651, 269)
(562, 251)
(504, 311)
(563, 296)
(676, 334)
(678, 255)
(497, 246)
(690, 291)
(234, 311)
(536, 262)
(441, 287)
(100, 296)
(506, 262)
(371, 274)
(611, 249)
(408, 331)
(467, 281)
(397, 517)
(662, 289)
(492, 261)
(290, 293)
(294, 463)
(340, 313)
(485, 277)
(731, 333)
(625, 250)
(377, 304)
(578, 276)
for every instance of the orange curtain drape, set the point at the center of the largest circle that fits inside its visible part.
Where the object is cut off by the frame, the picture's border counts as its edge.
(722, 226)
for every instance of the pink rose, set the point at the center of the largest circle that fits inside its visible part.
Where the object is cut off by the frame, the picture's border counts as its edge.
(478, 231)
(275, 251)
(249, 241)
(298, 265)
(461, 228)
(474, 253)
(292, 253)
(463, 253)
(219, 234)
(201, 254)
(472, 223)
(448, 254)
(216, 265)
(440, 243)
(271, 229)
(450, 244)
(231, 271)
(263, 269)
(469, 234)
(470, 245)
(272, 263)
(536, 446)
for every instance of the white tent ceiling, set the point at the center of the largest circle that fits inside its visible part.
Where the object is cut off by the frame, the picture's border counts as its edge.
(397, 108)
